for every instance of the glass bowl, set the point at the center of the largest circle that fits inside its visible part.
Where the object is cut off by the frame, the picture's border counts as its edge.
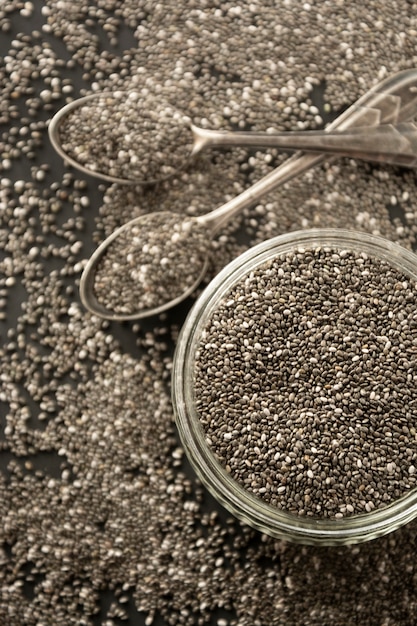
(242, 503)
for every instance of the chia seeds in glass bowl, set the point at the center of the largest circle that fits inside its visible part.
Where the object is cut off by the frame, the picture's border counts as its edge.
(294, 386)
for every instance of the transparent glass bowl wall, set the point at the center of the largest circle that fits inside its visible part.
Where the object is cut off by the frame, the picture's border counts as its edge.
(241, 503)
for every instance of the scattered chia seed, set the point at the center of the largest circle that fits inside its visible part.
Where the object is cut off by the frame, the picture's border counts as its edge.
(127, 136)
(304, 382)
(150, 263)
(102, 521)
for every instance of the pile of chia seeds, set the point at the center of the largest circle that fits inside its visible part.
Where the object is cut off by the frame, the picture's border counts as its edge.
(150, 263)
(305, 382)
(102, 521)
(127, 136)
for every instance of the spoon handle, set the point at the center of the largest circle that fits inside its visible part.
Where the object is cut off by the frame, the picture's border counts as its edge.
(392, 101)
(389, 143)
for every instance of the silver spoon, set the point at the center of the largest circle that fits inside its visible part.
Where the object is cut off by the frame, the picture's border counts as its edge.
(393, 101)
(168, 140)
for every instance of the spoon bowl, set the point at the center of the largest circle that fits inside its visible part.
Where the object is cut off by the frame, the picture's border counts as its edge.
(115, 137)
(393, 101)
(146, 266)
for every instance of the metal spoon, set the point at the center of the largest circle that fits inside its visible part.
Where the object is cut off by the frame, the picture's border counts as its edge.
(171, 140)
(393, 101)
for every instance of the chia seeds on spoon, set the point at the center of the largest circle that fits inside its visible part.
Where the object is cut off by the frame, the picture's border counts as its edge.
(151, 262)
(127, 136)
(305, 382)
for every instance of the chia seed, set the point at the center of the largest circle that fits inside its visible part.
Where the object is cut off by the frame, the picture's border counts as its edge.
(304, 382)
(127, 136)
(150, 263)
